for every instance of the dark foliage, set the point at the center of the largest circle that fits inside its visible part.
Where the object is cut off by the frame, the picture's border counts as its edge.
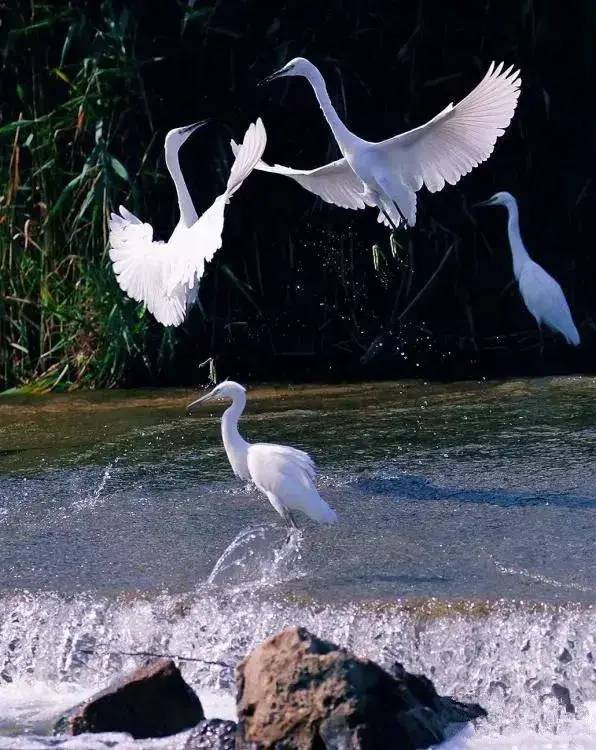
(301, 289)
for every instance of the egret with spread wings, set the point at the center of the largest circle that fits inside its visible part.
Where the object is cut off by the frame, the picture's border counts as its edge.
(165, 275)
(389, 173)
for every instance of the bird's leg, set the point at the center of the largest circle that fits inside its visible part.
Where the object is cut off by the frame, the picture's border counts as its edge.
(392, 224)
(290, 523)
(401, 213)
(541, 337)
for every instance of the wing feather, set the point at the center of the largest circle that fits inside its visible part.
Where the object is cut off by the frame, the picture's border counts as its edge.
(459, 138)
(288, 474)
(194, 248)
(546, 300)
(141, 266)
(335, 182)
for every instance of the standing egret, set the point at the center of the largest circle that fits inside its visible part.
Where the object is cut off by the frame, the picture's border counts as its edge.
(285, 475)
(165, 275)
(542, 295)
(389, 173)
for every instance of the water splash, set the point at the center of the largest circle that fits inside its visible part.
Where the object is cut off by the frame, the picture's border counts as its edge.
(258, 557)
(94, 497)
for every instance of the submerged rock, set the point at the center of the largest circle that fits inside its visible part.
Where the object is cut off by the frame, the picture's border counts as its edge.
(298, 692)
(448, 710)
(212, 734)
(153, 701)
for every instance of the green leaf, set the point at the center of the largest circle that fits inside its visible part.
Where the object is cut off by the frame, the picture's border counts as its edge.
(72, 30)
(12, 127)
(119, 169)
(70, 186)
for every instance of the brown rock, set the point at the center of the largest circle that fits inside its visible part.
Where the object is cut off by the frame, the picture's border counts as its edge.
(153, 701)
(297, 692)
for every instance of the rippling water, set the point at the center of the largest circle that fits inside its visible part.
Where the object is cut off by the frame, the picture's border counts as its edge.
(465, 548)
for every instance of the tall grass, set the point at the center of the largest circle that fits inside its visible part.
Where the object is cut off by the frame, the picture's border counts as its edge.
(75, 97)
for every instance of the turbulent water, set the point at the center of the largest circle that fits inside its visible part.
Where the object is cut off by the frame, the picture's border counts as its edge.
(465, 548)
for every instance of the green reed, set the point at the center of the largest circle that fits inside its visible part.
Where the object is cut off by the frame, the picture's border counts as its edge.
(77, 93)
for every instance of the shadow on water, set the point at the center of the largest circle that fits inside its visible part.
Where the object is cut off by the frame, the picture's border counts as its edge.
(411, 486)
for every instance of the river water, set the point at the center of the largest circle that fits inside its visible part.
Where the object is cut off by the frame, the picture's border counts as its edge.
(465, 547)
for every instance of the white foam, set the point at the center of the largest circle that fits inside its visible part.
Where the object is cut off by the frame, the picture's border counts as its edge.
(27, 704)
(218, 704)
(577, 734)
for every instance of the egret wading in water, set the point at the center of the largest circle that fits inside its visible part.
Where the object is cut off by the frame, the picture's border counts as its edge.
(541, 294)
(165, 276)
(285, 475)
(389, 173)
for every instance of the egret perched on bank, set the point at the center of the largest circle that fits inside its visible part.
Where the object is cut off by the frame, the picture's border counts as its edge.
(165, 275)
(285, 475)
(542, 295)
(389, 173)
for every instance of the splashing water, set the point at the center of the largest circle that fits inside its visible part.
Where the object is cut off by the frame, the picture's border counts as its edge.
(94, 497)
(263, 556)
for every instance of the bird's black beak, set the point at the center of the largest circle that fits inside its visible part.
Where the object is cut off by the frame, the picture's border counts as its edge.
(489, 202)
(272, 77)
(195, 404)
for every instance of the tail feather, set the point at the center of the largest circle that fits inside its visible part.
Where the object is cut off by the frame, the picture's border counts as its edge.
(323, 513)
(572, 337)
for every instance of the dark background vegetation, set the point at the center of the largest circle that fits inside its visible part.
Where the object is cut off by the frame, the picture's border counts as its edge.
(301, 289)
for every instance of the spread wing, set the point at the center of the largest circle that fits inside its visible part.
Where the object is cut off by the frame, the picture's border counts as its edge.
(458, 138)
(198, 244)
(142, 265)
(335, 182)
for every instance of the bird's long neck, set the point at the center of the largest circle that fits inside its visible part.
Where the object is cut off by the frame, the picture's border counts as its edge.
(187, 210)
(235, 445)
(518, 250)
(343, 136)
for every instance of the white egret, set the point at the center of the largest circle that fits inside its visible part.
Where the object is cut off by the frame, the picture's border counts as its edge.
(542, 295)
(389, 173)
(285, 475)
(165, 275)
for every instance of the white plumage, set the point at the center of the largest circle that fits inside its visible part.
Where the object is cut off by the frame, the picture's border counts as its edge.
(286, 476)
(542, 294)
(165, 275)
(389, 173)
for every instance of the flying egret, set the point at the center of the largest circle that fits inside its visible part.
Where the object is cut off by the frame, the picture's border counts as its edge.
(285, 475)
(165, 275)
(542, 295)
(389, 173)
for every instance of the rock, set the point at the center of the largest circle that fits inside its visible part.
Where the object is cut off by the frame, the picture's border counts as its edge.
(298, 692)
(215, 734)
(563, 695)
(153, 701)
(448, 710)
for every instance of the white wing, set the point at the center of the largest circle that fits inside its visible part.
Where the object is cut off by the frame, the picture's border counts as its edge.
(458, 138)
(195, 247)
(142, 267)
(546, 301)
(288, 475)
(335, 182)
